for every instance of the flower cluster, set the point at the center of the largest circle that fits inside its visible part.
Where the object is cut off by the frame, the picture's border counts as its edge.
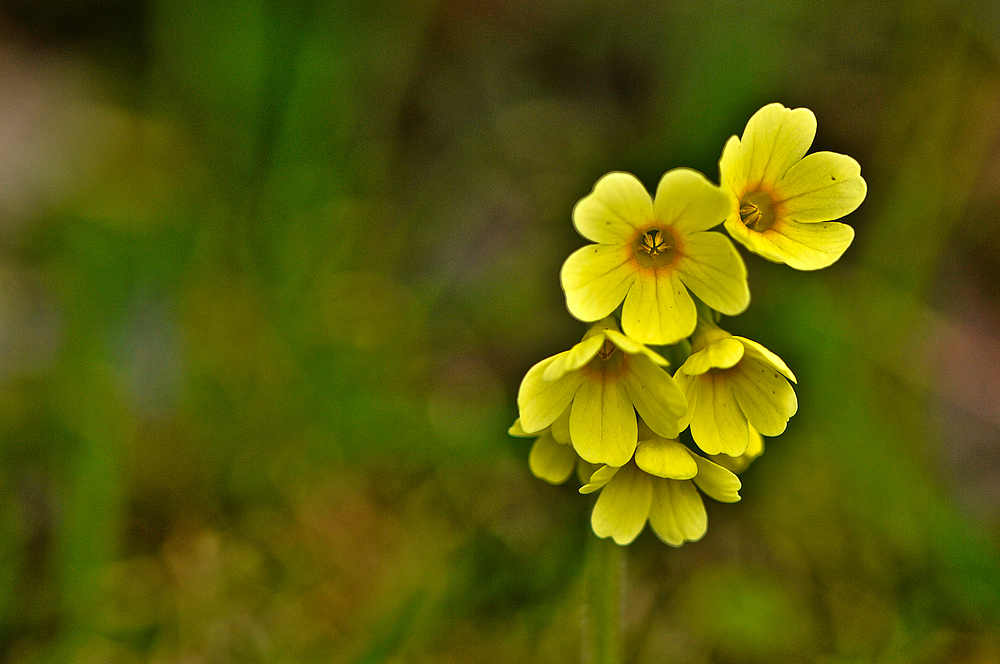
(658, 274)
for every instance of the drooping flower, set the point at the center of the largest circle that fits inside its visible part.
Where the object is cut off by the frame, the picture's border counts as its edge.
(603, 381)
(782, 203)
(649, 253)
(733, 386)
(658, 485)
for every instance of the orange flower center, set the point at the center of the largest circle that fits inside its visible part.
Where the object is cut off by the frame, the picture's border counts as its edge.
(757, 211)
(655, 247)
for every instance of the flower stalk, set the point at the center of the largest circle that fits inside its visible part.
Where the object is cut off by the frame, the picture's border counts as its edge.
(603, 577)
(659, 273)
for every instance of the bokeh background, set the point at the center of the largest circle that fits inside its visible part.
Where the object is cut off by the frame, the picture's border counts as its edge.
(271, 272)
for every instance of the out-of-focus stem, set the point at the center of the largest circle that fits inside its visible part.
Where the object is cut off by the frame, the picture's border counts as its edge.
(602, 602)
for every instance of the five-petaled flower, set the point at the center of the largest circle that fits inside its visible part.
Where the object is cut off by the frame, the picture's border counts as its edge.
(782, 203)
(658, 484)
(650, 252)
(734, 387)
(603, 380)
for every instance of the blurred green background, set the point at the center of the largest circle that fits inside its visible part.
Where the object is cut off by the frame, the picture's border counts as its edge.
(271, 272)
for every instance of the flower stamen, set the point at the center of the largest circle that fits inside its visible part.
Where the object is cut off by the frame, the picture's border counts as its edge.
(655, 248)
(653, 242)
(757, 211)
(607, 350)
(749, 214)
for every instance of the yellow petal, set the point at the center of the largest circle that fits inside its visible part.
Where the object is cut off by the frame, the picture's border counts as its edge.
(732, 175)
(584, 471)
(810, 246)
(742, 462)
(688, 202)
(560, 428)
(596, 279)
(632, 347)
(742, 234)
(606, 324)
(687, 385)
(755, 350)
(764, 396)
(665, 458)
(658, 309)
(516, 430)
(716, 481)
(756, 446)
(774, 139)
(645, 433)
(574, 358)
(718, 425)
(714, 271)
(677, 513)
(599, 476)
(550, 461)
(801, 246)
(623, 506)
(822, 187)
(539, 401)
(617, 207)
(602, 423)
(722, 354)
(655, 395)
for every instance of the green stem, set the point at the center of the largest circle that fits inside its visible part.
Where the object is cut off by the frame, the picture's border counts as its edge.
(602, 602)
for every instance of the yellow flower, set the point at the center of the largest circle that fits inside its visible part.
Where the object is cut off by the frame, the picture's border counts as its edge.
(658, 485)
(733, 385)
(782, 203)
(603, 380)
(649, 253)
